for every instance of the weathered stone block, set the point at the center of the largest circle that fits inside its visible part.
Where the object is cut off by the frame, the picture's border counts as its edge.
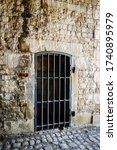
(96, 119)
(82, 118)
(23, 46)
(24, 126)
(95, 2)
(28, 113)
(5, 19)
(96, 77)
(88, 1)
(97, 34)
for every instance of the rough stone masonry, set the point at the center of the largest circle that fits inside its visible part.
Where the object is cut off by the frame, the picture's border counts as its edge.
(31, 26)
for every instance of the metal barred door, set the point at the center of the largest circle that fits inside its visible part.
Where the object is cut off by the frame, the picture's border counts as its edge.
(52, 90)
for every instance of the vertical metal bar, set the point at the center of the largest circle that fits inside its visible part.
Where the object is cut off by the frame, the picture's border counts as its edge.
(65, 93)
(48, 97)
(54, 91)
(42, 97)
(59, 87)
(35, 86)
(70, 92)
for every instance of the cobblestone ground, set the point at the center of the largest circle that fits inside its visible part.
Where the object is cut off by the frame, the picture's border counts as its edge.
(72, 138)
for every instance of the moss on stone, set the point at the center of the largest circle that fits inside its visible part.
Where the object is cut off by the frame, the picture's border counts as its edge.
(24, 126)
(23, 46)
(28, 113)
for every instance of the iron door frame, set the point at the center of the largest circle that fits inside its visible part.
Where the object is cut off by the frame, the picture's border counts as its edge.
(35, 83)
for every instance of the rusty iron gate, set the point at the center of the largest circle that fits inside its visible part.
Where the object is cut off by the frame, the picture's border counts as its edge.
(52, 90)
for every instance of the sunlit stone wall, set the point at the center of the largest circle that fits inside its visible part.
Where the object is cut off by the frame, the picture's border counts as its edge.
(31, 26)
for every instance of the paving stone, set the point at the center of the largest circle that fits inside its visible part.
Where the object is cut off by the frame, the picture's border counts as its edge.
(58, 134)
(8, 146)
(24, 148)
(64, 146)
(71, 138)
(72, 145)
(53, 135)
(16, 145)
(49, 139)
(30, 147)
(41, 149)
(96, 148)
(26, 139)
(32, 138)
(62, 133)
(65, 137)
(48, 147)
(38, 146)
(37, 137)
(82, 147)
(85, 143)
(89, 148)
(74, 132)
(77, 142)
(38, 141)
(60, 139)
(68, 133)
(44, 140)
(55, 139)
(68, 141)
(32, 142)
(98, 144)
(12, 140)
(19, 140)
(25, 143)
(6, 143)
(55, 142)
(41, 132)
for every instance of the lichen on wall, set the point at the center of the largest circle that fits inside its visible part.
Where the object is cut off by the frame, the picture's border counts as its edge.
(28, 27)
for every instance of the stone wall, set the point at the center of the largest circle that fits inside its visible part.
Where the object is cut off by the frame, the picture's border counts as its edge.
(31, 26)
